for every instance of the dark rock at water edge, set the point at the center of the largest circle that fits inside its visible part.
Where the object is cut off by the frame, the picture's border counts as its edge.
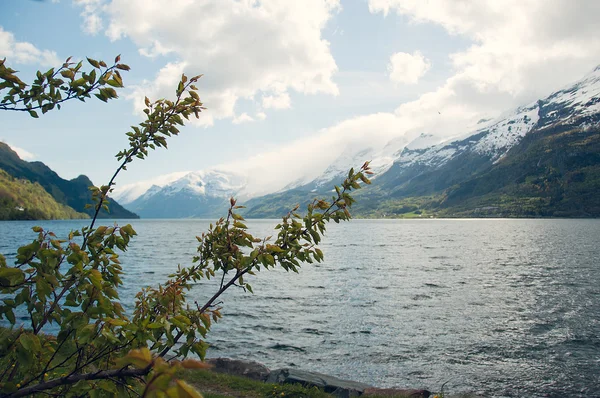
(250, 369)
(329, 384)
(394, 392)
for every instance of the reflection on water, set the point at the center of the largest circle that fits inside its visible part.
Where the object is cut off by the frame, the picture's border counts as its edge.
(499, 307)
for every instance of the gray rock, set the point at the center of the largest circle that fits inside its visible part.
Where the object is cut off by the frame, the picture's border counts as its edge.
(250, 369)
(396, 392)
(333, 385)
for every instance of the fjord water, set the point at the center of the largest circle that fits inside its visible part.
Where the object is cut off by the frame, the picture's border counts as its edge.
(496, 307)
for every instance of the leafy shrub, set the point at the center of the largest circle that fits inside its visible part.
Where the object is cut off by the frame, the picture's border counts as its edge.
(73, 282)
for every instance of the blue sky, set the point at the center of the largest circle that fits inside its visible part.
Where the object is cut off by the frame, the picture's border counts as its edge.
(290, 85)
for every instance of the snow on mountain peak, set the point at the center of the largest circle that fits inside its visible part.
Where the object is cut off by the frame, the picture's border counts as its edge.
(506, 132)
(495, 137)
(210, 182)
(581, 98)
(130, 192)
(424, 141)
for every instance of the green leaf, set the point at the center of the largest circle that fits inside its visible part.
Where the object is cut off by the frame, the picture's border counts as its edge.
(96, 278)
(117, 322)
(94, 63)
(67, 74)
(10, 315)
(33, 114)
(24, 356)
(11, 277)
(183, 319)
(101, 97)
(240, 225)
(79, 82)
(114, 83)
(269, 259)
(139, 358)
(319, 253)
(30, 342)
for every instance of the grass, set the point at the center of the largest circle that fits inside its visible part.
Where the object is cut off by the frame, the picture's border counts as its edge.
(218, 385)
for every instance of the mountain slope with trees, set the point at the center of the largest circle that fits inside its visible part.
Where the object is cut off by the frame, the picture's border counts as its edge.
(73, 193)
(552, 173)
(24, 200)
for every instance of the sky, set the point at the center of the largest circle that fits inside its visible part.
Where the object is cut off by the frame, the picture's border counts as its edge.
(289, 85)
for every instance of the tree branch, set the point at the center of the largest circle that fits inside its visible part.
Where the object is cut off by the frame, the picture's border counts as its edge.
(72, 379)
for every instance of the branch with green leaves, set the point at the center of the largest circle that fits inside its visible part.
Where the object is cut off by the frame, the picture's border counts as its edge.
(57, 85)
(74, 282)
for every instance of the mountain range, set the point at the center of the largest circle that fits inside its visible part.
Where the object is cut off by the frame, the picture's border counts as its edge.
(70, 196)
(541, 159)
(197, 194)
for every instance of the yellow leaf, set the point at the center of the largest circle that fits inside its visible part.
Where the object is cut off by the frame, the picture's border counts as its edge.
(96, 278)
(193, 364)
(187, 391)
(140, 358)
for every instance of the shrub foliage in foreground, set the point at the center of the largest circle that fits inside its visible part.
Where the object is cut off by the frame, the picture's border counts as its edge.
(73, 281)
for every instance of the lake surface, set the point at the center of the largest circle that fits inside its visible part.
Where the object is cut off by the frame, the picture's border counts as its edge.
(496, 307)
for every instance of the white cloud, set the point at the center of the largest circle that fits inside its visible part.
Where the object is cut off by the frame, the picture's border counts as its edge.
(243, 118)
(261, 115)
(278, 101)
(244, 48)
(306, 158)
(521, 51)
(408, 68)
(92, 22)
(23, 52)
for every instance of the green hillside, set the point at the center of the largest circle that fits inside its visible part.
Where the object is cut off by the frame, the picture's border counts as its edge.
(73, 193)
(551, 173)
(23, 200)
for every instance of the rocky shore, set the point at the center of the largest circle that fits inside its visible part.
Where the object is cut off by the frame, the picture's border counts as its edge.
(329, 384)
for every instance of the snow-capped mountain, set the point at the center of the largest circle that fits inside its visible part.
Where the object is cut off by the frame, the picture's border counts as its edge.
(581, 100)
(130, 192)
(210, 183)
(491, 139)
(422, 166)
(201, 193)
